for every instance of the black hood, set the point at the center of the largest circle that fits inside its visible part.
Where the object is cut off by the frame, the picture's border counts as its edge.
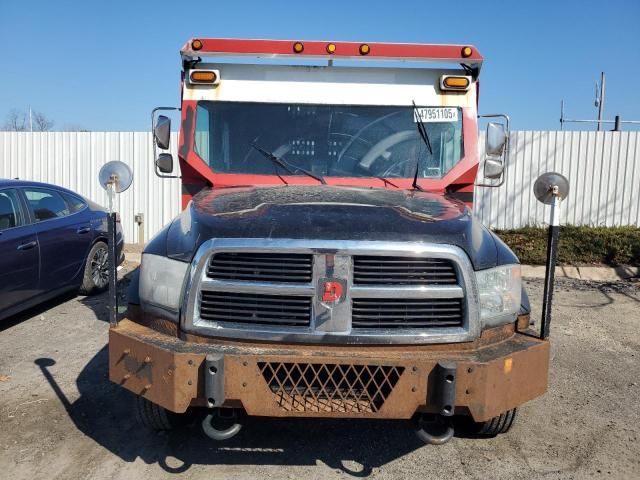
(331, 213)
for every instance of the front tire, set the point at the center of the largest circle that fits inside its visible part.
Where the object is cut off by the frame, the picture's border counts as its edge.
(96, 270)
(500, 424)
(156, 417)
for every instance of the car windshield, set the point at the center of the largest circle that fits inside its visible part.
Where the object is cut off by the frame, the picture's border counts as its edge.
(328, 140)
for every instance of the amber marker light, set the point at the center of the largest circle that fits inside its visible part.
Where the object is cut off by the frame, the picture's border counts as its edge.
(203, 77)
(298, 47)
(196, 44)
(364, 49)
(466, 52)
(331, 48)
(456, 82)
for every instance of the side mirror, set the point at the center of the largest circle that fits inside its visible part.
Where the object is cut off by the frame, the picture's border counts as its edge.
(493, 167)
(496, 148)
(496, 139)
(164, 162)
(162, 132)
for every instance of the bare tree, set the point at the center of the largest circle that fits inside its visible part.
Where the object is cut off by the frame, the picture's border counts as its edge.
(16, 121)
(41, 122)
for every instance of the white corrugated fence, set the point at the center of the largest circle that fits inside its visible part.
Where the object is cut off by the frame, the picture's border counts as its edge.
(73, 160)
(603, 169)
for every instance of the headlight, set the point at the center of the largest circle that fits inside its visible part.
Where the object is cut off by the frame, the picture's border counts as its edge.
(499, 290)
(161, 281)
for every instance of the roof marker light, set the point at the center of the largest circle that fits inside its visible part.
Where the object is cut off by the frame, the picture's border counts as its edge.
(364, 49)
(331, 48)
(466, 52)
(196, 44)
(298, 47)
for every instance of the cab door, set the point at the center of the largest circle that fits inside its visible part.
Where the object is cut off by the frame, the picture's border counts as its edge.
(19, 252)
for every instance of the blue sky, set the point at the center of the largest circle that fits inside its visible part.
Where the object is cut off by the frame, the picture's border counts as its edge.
(105, 65)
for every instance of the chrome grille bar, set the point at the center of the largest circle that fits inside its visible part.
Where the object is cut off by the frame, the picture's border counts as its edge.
(407, 292)
(274, 288)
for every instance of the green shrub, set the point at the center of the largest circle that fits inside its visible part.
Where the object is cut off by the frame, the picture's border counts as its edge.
(578, 245)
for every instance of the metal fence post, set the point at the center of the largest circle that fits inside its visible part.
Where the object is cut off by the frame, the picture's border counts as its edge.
(113, 271)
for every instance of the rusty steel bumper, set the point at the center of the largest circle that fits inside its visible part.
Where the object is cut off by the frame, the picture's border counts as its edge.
(485, 378)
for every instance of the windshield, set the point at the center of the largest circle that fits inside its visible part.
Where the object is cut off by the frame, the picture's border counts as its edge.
(328, 140)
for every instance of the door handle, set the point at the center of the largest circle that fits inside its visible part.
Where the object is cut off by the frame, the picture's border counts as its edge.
(27, 246)
(82, 230)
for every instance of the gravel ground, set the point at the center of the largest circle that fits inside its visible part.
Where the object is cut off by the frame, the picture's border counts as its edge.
(61, 418)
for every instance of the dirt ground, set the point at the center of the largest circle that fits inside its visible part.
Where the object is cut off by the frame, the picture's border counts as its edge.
(61, 418)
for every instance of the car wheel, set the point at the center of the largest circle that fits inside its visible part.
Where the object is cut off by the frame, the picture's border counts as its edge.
(96, 270)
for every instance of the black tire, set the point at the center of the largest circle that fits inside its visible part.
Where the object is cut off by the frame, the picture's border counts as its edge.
(156, 417)
(500, 424)
(96, 271)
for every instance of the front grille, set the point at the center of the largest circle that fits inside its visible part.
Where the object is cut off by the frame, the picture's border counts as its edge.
(261, 267)
(253, 308)
(407, 313)
(270, 289)
(318, 387)
(378, 270)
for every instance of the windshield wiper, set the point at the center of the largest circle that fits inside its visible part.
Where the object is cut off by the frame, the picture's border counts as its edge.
(277, 162)
(292, 169)
(425, 139)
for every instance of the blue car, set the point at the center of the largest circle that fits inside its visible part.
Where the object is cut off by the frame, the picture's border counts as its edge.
(52, 241)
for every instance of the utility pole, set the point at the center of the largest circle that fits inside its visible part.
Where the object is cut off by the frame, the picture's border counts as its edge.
(600, 100)
(30, 120)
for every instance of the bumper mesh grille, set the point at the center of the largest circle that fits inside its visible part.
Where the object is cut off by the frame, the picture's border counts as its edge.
(342, 388)
(253, 308)
(408, 313)
(378, 270)
(261, 267)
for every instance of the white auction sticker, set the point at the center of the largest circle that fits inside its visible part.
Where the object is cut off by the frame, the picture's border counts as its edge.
(435, 114)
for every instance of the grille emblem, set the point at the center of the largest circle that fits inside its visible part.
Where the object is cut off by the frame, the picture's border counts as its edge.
(332, 292)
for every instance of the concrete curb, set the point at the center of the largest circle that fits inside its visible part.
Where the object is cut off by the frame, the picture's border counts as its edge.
(599, 274)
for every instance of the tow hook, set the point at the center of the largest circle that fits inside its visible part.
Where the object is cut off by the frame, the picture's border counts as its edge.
(216, 434)
(214, 391)
(436, 429)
